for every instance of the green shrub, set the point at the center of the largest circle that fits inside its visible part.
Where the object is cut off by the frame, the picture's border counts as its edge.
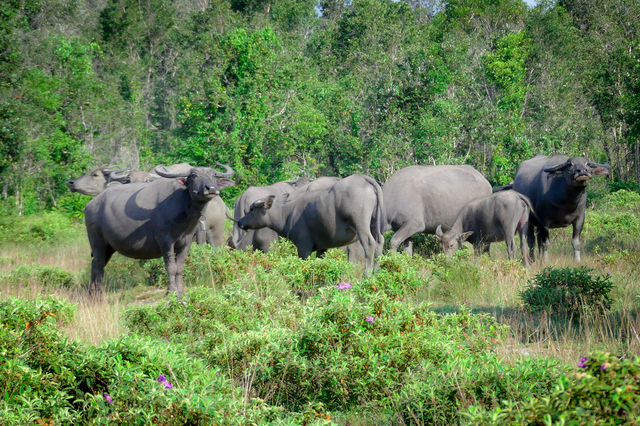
(72, 205)
(44, 275)
(568, 291)
(47, 378)
(47, 228)
(606, 390)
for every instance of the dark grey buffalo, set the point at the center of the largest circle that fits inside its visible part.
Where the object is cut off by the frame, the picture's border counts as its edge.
(150, 220)
(419, 198)
(317, 220)
(488, 220)
(556, 187)
(211, 225)
(261, 239)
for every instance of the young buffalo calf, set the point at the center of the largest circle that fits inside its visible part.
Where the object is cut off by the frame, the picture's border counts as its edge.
(495, 218)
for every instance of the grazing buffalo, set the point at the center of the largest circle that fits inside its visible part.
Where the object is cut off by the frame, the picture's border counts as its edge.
(150, 220)
(211, 225)
(261, 239)
(419, 198)
(495, 218)
(317, 220)
(556, 187)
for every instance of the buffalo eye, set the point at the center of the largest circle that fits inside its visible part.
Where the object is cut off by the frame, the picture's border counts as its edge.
(95, 175)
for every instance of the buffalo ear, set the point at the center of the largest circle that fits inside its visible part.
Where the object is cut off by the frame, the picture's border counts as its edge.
(224, 182)
(268, 202)
(557, 167)
(464, 236)
(599, 169)
(439, 232)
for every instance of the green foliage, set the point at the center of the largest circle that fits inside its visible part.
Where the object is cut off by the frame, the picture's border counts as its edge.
(43, 275)
(605, 391)
(568, 291)
(44, 228)
(47, 378)
(614, 223)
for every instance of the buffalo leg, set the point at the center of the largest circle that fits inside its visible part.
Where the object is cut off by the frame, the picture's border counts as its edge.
(403, 233)
(543, 243)
(181, 257)
(170, 266)
(523, 242)
(100, 259)
(369, 245)
(511, 245)
(575, 239)
(531, 241)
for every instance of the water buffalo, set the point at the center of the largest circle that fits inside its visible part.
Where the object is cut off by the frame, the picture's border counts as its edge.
(211, 226)
(487, 220)
(317, 220)
(419, 198)
(150, 220)
(556, 187)
(99, 179)
(261, 239)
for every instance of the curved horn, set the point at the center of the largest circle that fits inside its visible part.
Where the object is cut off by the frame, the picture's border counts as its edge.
(174, 171)
(228, 171)
(119, 174)
(557, 167)
(230, 218)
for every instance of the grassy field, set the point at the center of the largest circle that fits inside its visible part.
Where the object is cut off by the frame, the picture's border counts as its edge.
(271, 338)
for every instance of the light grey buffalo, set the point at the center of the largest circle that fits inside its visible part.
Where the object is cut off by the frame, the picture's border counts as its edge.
(488, 220)
(317, 220)
(419, 198)
(150, 220)
(261, 239)
(211, 225)
(97, 180)
(556, 187)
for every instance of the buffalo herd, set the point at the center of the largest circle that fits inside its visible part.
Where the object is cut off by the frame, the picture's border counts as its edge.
(147, 215)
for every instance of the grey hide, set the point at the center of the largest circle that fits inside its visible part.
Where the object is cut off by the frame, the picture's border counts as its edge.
(150, 220)
(556, 187)
(261, 239)
(94, 182)
(488, 220)
(317, 220)
(419, 198)
(211, 226)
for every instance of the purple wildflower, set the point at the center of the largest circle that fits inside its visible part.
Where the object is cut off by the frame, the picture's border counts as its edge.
(604, 366)
(369, 320)
(108, 398)
(583, 363)
(162, 379)
(343, 285)
(168, 385)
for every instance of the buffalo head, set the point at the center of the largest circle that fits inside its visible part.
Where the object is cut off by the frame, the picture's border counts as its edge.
(578, 170)
(95, 182)
(255, 218)
(203, 183)
(451, 241)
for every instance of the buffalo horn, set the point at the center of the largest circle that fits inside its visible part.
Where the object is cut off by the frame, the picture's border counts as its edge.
(228, 171)
(118, 174)
(557, 167)
(174, 171)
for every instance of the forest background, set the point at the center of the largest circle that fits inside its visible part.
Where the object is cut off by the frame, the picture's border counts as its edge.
(285, 88)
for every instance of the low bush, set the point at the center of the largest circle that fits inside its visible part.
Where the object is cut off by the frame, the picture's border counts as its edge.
(48, 379)
(568, 291)
(43, 275)
(45, 228)
(605, 390)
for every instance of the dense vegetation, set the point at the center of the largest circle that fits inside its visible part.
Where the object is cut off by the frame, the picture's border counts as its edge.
(281, 88)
